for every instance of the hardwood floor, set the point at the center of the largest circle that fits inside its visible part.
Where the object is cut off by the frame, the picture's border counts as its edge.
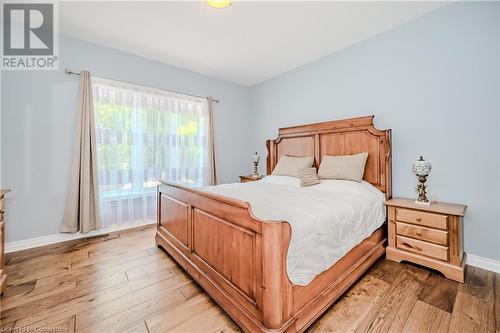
(106, 285)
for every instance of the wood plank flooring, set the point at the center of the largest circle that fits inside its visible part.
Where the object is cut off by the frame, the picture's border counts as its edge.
(124, 283)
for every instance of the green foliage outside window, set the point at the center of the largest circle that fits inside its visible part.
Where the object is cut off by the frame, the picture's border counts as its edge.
(150, 137)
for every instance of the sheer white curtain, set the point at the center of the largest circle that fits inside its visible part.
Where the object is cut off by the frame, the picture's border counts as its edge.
(145, 135)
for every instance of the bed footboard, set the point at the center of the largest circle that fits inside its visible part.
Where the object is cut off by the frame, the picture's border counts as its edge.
(238, 259)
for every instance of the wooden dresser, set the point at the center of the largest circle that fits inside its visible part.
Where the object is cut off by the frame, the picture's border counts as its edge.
(430, 236)
(3, 276)
(250, 178)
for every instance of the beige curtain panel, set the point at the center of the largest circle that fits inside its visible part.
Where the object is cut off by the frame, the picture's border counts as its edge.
(82, 203)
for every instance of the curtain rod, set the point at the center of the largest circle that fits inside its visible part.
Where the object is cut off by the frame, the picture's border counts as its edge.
(216, 100)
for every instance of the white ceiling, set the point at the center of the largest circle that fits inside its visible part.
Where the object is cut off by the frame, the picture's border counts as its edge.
(247, 43)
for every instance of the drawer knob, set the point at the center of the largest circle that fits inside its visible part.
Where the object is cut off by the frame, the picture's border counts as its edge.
(419, 219)
(419, 248)
(418, 233)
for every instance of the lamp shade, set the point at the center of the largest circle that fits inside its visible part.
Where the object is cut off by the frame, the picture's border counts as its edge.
(421, 167)
(256, 157)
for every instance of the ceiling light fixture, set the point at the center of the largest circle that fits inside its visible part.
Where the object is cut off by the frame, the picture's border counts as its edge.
(219, 3)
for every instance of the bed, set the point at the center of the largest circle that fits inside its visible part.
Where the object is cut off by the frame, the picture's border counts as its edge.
(251, 266)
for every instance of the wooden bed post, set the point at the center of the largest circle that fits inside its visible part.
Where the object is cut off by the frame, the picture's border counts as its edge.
(271, 156)
(274, 268)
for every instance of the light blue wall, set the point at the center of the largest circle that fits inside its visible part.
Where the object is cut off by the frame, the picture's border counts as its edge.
(38, 116)
(435, 82)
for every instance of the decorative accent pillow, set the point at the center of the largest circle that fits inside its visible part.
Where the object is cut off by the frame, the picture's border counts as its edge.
(347, 167)
(290, 165)
(308, 177)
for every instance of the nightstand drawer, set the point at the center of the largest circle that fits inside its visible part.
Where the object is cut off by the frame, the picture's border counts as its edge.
(422, 233)
(424, 248)
(422, 218)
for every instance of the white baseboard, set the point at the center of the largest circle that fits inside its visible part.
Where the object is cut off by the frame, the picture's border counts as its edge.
(484, 263)
(59, 238)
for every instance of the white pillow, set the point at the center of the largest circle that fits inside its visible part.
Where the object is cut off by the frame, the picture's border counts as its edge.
(347, 167)
(290, 165)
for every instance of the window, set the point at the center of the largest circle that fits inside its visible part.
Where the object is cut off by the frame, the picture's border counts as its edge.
(145, 135)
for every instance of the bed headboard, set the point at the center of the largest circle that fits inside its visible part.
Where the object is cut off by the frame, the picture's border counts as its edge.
(339, 137)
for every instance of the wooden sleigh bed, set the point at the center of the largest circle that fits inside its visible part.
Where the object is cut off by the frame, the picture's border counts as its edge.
(241, 261)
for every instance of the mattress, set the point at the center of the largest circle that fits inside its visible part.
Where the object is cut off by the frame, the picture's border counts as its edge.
(327, 220)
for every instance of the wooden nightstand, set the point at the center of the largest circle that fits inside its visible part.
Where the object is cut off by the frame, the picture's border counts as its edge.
(250, 178)
(430, 236)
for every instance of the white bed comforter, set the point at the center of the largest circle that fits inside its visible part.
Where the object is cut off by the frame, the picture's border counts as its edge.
(327, 219)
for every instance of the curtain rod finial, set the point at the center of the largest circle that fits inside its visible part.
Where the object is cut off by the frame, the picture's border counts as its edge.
(69, 71)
